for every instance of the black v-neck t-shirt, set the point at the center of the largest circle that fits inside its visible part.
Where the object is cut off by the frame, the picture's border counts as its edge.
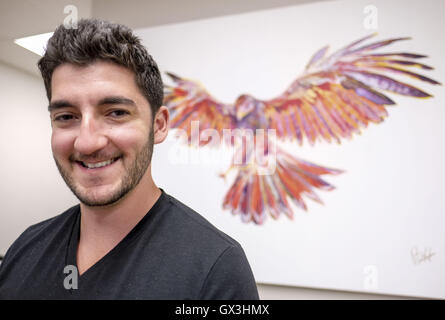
(172, 253)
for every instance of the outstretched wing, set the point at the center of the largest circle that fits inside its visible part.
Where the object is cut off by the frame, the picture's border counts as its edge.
(194, 110)
(340, 94)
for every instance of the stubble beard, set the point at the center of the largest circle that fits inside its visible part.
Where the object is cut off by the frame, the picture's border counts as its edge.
(129, 181)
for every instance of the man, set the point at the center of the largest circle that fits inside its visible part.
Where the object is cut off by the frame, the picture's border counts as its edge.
(127, 239)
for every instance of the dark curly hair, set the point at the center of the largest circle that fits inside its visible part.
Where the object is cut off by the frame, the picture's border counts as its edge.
(94, 40)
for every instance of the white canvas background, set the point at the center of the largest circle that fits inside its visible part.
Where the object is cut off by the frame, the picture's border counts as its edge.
(389, 201)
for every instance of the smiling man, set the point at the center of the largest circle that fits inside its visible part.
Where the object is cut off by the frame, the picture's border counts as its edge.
(127, 239)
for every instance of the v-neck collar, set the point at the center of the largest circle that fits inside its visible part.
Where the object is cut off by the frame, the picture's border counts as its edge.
(71, 255)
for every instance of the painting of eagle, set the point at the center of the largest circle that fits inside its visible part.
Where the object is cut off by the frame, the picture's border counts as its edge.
(335, 97)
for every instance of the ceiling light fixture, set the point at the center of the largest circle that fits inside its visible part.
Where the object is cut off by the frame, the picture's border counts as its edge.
(35, 43)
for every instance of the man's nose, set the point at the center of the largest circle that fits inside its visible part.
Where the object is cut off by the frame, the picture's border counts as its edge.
(91, 137)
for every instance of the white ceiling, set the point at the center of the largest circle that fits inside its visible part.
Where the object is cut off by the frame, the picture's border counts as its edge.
(21, 18)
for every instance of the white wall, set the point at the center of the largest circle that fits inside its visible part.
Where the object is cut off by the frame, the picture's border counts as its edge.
(30, 187)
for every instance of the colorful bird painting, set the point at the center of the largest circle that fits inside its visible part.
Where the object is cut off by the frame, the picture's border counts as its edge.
(336, 96)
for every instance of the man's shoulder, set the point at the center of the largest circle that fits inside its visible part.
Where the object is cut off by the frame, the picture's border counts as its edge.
(51, 223)
(202, 247)
(196, 227)
(46, 229)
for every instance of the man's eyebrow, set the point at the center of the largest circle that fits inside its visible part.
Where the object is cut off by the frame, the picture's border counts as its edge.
(107, 100)
(58, 104)
(117, 100)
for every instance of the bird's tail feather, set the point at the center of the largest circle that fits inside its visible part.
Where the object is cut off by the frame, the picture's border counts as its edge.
(254, 193)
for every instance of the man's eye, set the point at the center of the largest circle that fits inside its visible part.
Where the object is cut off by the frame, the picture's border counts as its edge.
(118, 113)
(64, 117)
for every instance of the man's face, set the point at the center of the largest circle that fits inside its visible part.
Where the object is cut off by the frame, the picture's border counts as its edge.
(102, 133)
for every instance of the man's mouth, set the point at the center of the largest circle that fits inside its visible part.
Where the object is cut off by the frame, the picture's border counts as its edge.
(97, 165)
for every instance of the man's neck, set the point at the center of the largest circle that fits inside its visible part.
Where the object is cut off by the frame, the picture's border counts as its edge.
(102, 228)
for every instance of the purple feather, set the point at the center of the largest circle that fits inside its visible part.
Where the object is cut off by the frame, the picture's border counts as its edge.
(366, 92)
(410, 64)
(409, 73)
(371, 95)
(317, 56)
(343, 51)
(398, 54)
(376, 45)
(386, 83)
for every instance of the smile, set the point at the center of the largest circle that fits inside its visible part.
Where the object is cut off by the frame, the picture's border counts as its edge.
(97, 164)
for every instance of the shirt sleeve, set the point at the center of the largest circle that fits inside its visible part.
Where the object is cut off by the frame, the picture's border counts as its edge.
(230, 278)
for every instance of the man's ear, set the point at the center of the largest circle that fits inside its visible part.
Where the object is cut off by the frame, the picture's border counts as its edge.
(161, 124)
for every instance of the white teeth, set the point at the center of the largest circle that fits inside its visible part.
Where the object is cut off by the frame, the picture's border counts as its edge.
(98, 165)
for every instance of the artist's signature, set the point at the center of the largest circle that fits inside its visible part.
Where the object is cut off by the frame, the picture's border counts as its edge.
(421, 255)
